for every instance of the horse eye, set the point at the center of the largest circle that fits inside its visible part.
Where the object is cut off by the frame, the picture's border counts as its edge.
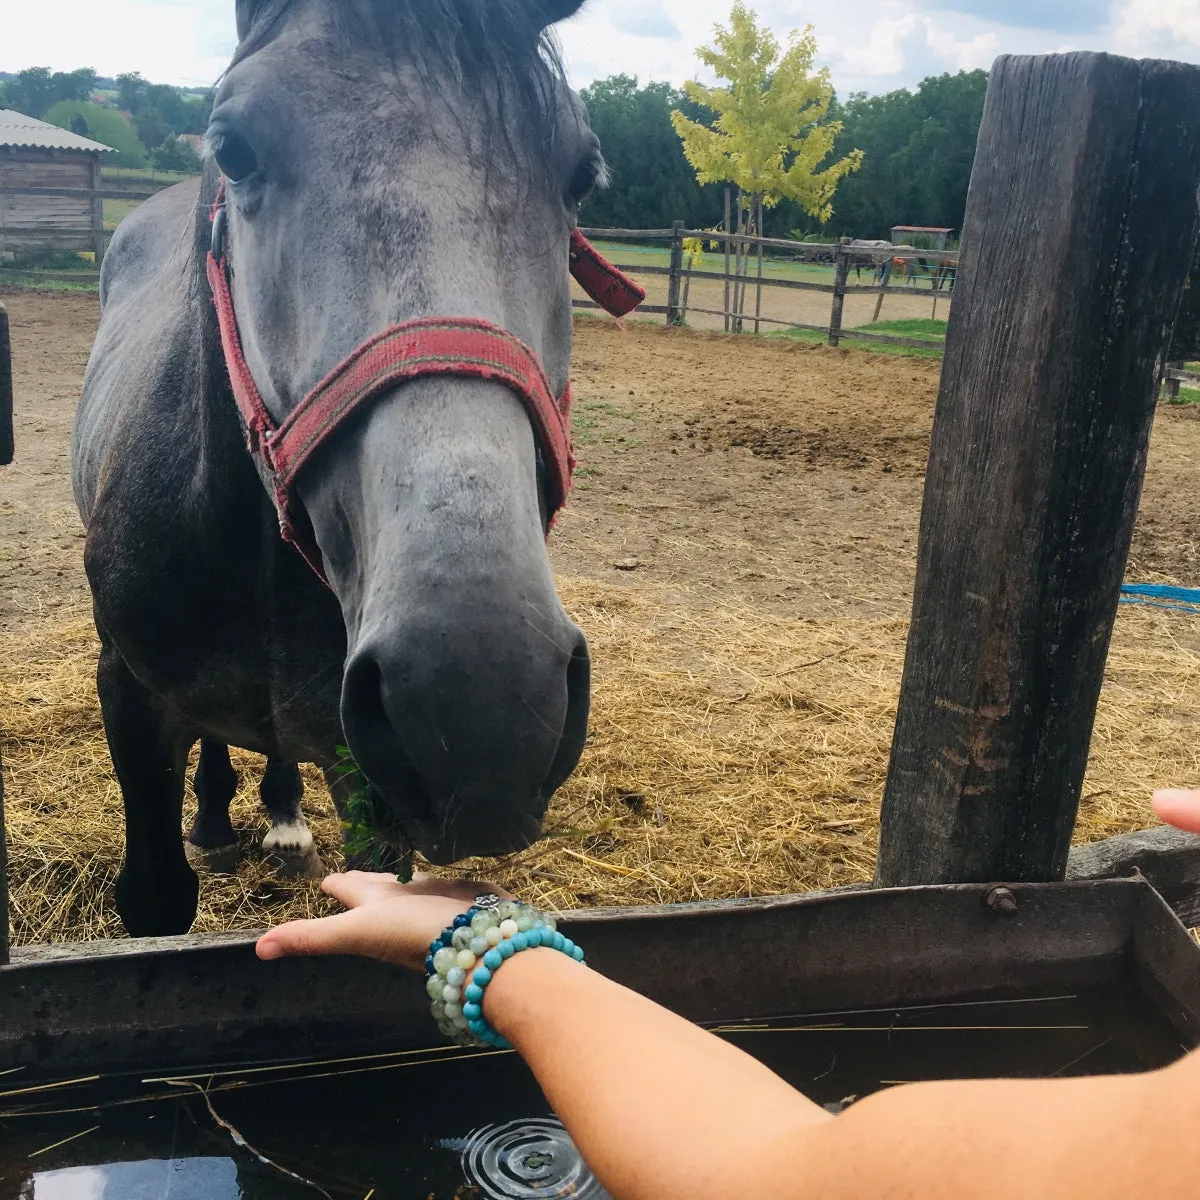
(586, 176)
(234, 155)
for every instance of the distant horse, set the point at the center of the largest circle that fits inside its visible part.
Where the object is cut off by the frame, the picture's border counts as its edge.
(389, 204)
(944, 274)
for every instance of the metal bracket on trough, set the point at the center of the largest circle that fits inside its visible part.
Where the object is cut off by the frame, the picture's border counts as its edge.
(207, 1001)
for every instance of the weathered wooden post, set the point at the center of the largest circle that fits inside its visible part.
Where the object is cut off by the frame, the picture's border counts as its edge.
(6, 395)
(728, 250)
(1171, 387)
(6, 456)
(841, 273)
(1080, 226)
(675, 287)
(3, 879)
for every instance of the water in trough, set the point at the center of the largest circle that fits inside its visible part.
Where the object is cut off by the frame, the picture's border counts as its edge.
(439, 1125)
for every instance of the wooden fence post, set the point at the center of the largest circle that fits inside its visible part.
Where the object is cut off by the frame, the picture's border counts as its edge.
(3, 879)
(1171, 382)
(6, 456)
(97, 211)
(675, 286)
(1081, 222)
(6, 393)
(841, 272)
(728, 247)
(760, 231)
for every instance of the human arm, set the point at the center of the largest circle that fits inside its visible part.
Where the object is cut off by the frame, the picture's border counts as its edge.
(660, 1109)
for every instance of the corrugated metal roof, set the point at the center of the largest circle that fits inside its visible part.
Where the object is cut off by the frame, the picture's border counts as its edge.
(19, 131)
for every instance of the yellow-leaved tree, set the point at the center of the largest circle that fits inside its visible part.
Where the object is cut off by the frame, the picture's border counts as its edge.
(770, 138)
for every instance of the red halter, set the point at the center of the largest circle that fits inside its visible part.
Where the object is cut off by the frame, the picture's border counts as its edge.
(460, 346)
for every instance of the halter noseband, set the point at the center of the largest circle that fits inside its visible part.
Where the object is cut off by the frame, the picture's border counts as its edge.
(465, 347)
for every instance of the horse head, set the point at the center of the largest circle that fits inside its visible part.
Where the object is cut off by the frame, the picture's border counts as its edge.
(386, 162)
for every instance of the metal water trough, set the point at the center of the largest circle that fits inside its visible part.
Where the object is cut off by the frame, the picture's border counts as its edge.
(993, 689)
(206, 1002)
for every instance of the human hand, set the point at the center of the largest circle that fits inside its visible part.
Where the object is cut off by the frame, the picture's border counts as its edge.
(1179, 807)
(387, 920)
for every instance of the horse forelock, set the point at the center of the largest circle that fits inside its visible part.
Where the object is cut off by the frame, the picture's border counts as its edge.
(466, 43)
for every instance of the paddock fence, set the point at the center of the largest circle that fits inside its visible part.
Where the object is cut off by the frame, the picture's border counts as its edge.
(753, 270)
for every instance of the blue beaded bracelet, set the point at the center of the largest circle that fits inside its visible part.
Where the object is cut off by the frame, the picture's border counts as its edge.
(464, 958)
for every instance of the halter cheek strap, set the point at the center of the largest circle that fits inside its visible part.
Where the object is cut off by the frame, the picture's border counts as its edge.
(465, 347)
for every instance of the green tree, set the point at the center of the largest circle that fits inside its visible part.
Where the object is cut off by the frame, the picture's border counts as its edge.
(175, 155)
(771, 138)
(196, 112)
(920, 147)
(105, 125)
(131, 91)
(152, 127)
(651, 184)
(32, 92)
(73, 85)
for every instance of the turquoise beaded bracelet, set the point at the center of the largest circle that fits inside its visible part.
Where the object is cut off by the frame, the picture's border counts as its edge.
(463, 960)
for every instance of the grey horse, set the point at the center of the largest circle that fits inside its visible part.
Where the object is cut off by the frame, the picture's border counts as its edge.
(384, 160)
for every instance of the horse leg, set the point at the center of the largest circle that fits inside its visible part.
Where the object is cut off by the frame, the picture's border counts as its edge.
(289, 844)
(157, 892)
(212, 842)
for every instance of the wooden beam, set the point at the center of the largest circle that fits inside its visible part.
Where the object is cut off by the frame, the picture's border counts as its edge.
(73, 193)
(1080, 226)
(630, 235)
(7, 440)
(841, 273)
(97, 213)
(675, 288)
(1169, 860)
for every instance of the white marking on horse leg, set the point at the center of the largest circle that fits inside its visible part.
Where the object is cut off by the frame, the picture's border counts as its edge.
(289, 837)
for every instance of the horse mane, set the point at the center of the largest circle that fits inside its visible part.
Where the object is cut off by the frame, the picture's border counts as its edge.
(471, 43)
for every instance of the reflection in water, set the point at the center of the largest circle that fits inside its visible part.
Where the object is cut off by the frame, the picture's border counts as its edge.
(157, 1179)
(526, 1160)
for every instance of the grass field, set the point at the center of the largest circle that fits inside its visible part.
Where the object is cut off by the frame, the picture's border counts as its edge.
(917, 327)
(640, 254)
(142, 178)
(115, 211)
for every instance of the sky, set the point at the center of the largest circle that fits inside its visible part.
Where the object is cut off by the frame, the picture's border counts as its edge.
(869, 45)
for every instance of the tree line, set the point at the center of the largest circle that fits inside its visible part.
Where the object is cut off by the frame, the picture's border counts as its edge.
(143, 121)
(918, 147)
(918, 150)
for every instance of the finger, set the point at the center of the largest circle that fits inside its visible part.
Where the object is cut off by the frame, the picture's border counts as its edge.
(1179, 807)
(347, 933)
(356, 888)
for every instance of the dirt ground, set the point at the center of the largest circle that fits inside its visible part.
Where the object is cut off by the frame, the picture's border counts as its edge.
(740, 550)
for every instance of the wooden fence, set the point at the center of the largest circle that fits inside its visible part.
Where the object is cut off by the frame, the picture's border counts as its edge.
(842, 256)
(51, 235)
(1177, 376)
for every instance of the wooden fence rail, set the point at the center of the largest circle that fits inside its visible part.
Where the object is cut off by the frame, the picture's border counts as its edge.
(841, 257)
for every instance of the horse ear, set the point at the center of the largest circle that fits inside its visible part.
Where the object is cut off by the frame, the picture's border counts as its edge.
(246, 12)
(553, 11)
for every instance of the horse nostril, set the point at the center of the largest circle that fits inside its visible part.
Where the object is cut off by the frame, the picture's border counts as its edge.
(575, 728)
(375, 743)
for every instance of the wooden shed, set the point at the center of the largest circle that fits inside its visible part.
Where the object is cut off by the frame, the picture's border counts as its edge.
(937, 237)
(50, 190)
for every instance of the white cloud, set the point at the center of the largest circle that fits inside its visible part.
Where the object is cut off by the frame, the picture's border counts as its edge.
(1166, 27)
(871, 45)
(911, 44)
(186, 43)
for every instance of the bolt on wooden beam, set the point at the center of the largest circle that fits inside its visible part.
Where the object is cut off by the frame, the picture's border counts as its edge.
(1080, 228)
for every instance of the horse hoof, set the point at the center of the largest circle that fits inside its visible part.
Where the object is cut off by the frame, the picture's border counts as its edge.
(305, 864)
(159, 904)
(215, 860)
